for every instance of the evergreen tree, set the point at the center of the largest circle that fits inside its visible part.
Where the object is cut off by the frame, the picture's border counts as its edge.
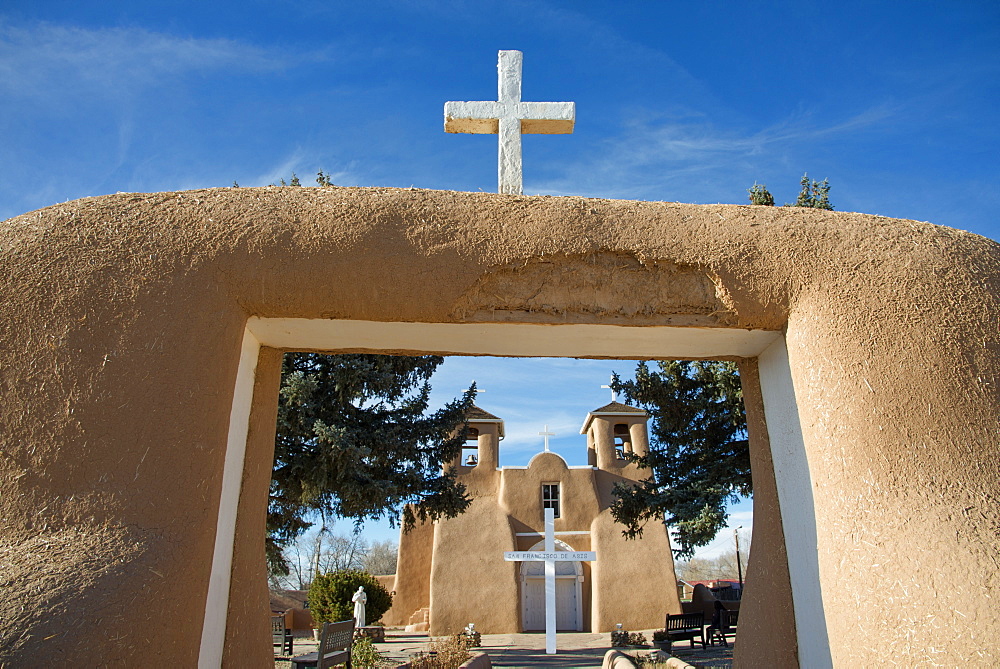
(805, 192)
(814, 194)
(760, 195)
(699, 456)
(354, 440)
(821, 195)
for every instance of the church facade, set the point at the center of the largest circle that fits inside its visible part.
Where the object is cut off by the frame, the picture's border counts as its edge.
(452, 572)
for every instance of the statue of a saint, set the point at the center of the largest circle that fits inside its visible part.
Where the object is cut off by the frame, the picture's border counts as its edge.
(359, 599)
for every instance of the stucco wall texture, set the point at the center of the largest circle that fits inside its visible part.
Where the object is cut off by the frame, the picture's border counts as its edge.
(120, 339)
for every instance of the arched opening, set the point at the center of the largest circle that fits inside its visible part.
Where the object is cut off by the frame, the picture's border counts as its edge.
(623, 442)
(569, 593)
(470, 452)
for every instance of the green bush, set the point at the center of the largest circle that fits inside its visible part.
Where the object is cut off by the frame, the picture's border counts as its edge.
(364, 654)
(330, 596)
(621, 638)
(760, 195)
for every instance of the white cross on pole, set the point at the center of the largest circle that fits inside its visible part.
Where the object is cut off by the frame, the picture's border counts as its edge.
(478, 389)
(550, 556)
(614, 395)
(547, 434)
(508, 117)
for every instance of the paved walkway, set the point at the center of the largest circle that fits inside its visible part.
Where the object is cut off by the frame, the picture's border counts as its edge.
(574, 649)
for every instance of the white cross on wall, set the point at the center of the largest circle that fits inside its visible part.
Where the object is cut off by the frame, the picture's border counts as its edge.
(508, 117)
(547, 434)
(550, 556)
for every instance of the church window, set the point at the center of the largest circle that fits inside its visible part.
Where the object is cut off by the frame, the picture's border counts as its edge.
(550, 497)
(472, 434)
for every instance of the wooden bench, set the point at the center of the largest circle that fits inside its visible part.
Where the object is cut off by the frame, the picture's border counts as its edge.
(728, 621)
(281, 636)
(334, 648)
(690, 626)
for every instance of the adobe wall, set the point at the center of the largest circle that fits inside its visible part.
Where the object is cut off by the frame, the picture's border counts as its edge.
(466, 567)
(123, 318)
(412, 582)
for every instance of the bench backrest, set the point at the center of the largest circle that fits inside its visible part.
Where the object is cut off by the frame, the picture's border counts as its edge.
(684, 621)
(278, 628)
(335, 644)
(729, 619)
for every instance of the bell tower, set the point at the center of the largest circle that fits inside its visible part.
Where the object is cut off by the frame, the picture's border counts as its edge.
(482, 442)
(613, 431)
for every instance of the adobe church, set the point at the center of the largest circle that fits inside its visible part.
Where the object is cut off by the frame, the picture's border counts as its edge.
(452, 572)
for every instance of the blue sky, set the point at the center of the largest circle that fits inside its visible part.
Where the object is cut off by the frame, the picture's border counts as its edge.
(896, 103)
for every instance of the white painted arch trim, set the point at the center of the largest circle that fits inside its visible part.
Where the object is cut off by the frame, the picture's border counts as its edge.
(512, 339)
(531, 340)
(213, 631)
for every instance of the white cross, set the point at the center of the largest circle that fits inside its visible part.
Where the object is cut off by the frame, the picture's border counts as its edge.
(614, 395)
(547, 434)
(508, 117)
(478, 389)
(550, 556)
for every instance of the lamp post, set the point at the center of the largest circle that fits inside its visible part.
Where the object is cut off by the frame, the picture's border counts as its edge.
(739, 565)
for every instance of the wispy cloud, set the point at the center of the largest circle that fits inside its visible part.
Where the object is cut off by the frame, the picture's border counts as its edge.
(92, 94)
(46, 61)
(689, 154)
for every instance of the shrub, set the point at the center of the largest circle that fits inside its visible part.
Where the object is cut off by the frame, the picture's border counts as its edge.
(364, 654)
(330, 596)
(622, 638)
(760, 195)
(473, 640)
(448, 653)
(636, 639)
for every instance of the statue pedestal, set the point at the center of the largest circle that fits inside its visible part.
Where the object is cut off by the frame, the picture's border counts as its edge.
(373, 632)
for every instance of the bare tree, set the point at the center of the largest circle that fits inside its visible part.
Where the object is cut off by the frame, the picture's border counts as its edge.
(320, 552)
(721, 567)
(381, 558)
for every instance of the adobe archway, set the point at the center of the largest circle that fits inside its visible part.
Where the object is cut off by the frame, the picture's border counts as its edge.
(130, 411)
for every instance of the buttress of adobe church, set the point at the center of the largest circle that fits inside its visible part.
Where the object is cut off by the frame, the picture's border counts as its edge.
(452, 572)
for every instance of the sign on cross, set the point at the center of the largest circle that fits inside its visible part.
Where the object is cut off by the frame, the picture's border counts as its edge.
(508, 117)
(550, 556)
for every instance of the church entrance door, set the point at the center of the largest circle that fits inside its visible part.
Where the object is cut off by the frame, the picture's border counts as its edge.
(569, 601)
